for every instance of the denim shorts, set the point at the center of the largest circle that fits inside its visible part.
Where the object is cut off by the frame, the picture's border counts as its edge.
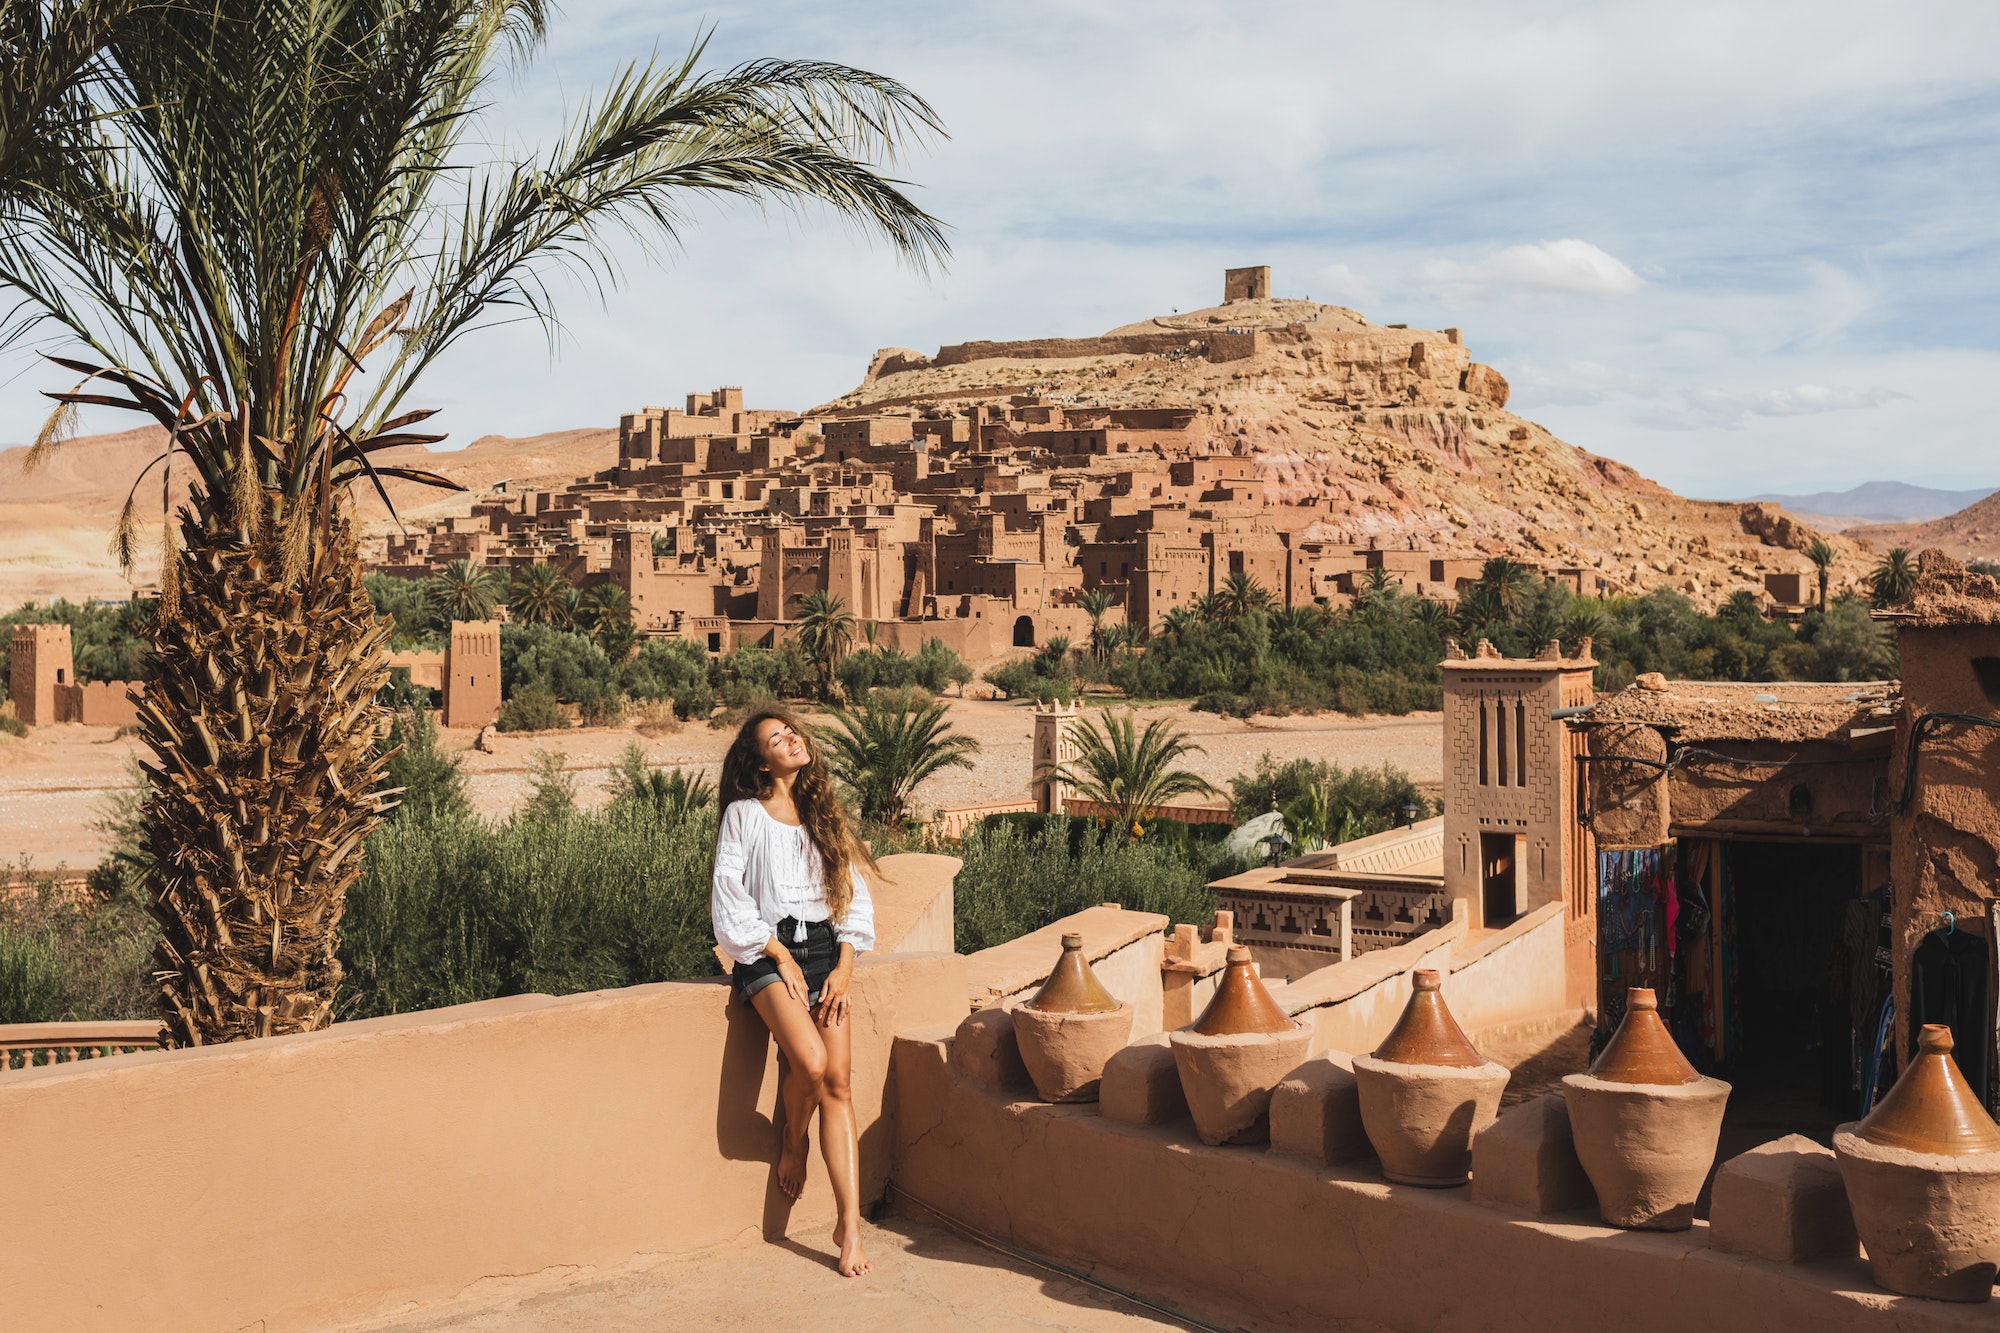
(816, 955)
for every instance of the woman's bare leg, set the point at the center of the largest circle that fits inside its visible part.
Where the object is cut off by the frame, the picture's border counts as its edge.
(800, 1087)
(837, 1144)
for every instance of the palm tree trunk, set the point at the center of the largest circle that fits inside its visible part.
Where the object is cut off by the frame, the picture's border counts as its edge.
(261, 716)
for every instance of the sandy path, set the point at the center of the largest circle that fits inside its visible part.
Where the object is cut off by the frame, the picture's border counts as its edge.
(53, 784)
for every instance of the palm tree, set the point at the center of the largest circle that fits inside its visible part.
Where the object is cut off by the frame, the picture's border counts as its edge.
(609, 611)
(1241, 595)
(1433, 616)
(465, 591)
(663, 545)
(888, 747)
(671, 796)
(1822, 555)
(1893, 578)
(1176, 624)
(1133, 773)
(259, 225)
(1053, 659)
(826, 632)
(1586, 620)
(539, 596)
(1208, 608)
(1095, 603)
(1508, 584)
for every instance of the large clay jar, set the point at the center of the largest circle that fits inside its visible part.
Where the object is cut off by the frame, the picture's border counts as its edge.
(1645, 1123)
(1923, 1178)
(1070, 1028)
(1426, 1092)
(1230, 1058)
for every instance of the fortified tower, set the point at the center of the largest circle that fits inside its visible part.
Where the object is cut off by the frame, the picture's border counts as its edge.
(1053, 750)
(1246, 284)
(472, 674)
(40, 661)
(1512, 837)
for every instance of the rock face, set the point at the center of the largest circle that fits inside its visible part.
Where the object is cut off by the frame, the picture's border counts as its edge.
(1399, 431)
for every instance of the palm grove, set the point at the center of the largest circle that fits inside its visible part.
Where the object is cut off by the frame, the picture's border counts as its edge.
(259, 224)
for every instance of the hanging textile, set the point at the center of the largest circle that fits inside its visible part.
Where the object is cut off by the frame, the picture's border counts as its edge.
(1635, 906)
(1948, 986)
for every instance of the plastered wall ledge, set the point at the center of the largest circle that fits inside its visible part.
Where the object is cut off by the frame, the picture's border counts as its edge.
(1247, 1238)
(1469, 951)
(1006, 969)
(1344, 981)
(912, 884)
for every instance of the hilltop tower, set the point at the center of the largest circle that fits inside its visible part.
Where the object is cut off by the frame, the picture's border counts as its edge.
(41, 660)
(1246, 284)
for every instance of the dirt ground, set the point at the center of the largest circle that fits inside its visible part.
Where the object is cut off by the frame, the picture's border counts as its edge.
(54, 783)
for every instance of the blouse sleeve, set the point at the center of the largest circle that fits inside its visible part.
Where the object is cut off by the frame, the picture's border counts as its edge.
(739, 929)
(858, 926)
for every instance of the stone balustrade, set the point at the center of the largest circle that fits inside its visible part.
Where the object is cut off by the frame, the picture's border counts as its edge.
(24, 1045)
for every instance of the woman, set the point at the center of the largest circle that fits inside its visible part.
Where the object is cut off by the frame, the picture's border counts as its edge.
(790, 906)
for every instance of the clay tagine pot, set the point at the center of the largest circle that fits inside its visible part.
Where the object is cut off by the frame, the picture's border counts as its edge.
(1427, 1092)
(1230, 1058)
(1070, 1028)
(1923, 1179)
(1645, 1122)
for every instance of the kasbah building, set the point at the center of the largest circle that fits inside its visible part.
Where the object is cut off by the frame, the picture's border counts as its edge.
(1800, 883)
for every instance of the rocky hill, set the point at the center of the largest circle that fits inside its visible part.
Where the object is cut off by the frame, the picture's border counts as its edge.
(1408, 436)
(1973, 533)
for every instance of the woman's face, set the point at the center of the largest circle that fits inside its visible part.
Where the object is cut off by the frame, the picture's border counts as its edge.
(782, 749)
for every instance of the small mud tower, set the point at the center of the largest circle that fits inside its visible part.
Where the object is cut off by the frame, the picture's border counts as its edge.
(1512, 838)
(1053, 749)
(40, 660)
(1246, 284)
(472, 674)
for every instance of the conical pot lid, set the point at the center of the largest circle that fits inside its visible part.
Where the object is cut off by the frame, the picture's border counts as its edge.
(1932, 1108)
(1427, 1034)
(1241, 1003)
(1642, 1050)
(1072, 988)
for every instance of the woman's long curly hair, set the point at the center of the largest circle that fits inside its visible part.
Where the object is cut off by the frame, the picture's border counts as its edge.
(744, 777)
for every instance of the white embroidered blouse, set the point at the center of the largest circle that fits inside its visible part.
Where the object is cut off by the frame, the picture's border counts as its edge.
(766, 871)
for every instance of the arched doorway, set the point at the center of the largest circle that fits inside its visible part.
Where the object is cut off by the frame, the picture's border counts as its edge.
(1024, 631)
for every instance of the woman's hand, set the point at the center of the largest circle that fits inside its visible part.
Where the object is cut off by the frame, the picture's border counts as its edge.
(794, 978)
(832, 1011)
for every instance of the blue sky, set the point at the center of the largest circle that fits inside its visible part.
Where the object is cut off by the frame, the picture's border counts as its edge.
(1741, 247)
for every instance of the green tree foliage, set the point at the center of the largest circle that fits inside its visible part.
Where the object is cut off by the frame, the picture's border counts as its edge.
(1822, 555)
(1131, 771)
(1893, 578)
(672, 669)
(107, 639)
(826, 631)
(1325, 800)
(432, 782)
(464, 591)
(933, 668)
(407, 605)
(752, 675)
(891, 745)
(540, 595)
(567, 665)
(1094, 604)
(531, 708)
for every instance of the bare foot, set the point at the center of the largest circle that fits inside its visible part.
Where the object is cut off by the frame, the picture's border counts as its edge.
(792, 1165)
(853, 1259)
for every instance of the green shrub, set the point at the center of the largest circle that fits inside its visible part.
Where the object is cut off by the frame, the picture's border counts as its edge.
(1375, 796)
(402, 694)
(561, 662)
(600, 706)
(453, 910)
(408, 603)
(67, 956)
(108, 640)
(433, 782)
(1021, 873)
(532, 708)
(12, 725)
(751, 674)
(676, 669)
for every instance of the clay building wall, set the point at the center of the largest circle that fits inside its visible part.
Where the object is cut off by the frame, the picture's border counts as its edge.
(1945, 791)
(1062, 349)
(97, 703)
(1246, 284)
(40, 660)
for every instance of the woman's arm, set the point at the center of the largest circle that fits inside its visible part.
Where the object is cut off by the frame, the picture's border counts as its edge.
(741, 932)
(857, 927)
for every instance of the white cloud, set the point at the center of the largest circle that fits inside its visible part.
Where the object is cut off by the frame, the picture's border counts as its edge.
(1567, 267)
(1731, 409)
(1343, 286)
(1579, 383)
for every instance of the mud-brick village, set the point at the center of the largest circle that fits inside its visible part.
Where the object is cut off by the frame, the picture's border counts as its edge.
(1298, 669)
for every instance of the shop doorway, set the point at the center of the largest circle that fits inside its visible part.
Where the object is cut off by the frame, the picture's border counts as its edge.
(1499, 860)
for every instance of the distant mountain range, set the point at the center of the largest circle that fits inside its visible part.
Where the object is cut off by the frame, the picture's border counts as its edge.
(1882, 502)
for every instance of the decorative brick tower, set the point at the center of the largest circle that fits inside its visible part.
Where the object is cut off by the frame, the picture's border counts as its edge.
(472, 674)
(1512, 838)
(40, 660)
(1053, 749)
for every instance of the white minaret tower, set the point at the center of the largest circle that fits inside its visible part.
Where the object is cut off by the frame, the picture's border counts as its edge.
(1053, 749)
